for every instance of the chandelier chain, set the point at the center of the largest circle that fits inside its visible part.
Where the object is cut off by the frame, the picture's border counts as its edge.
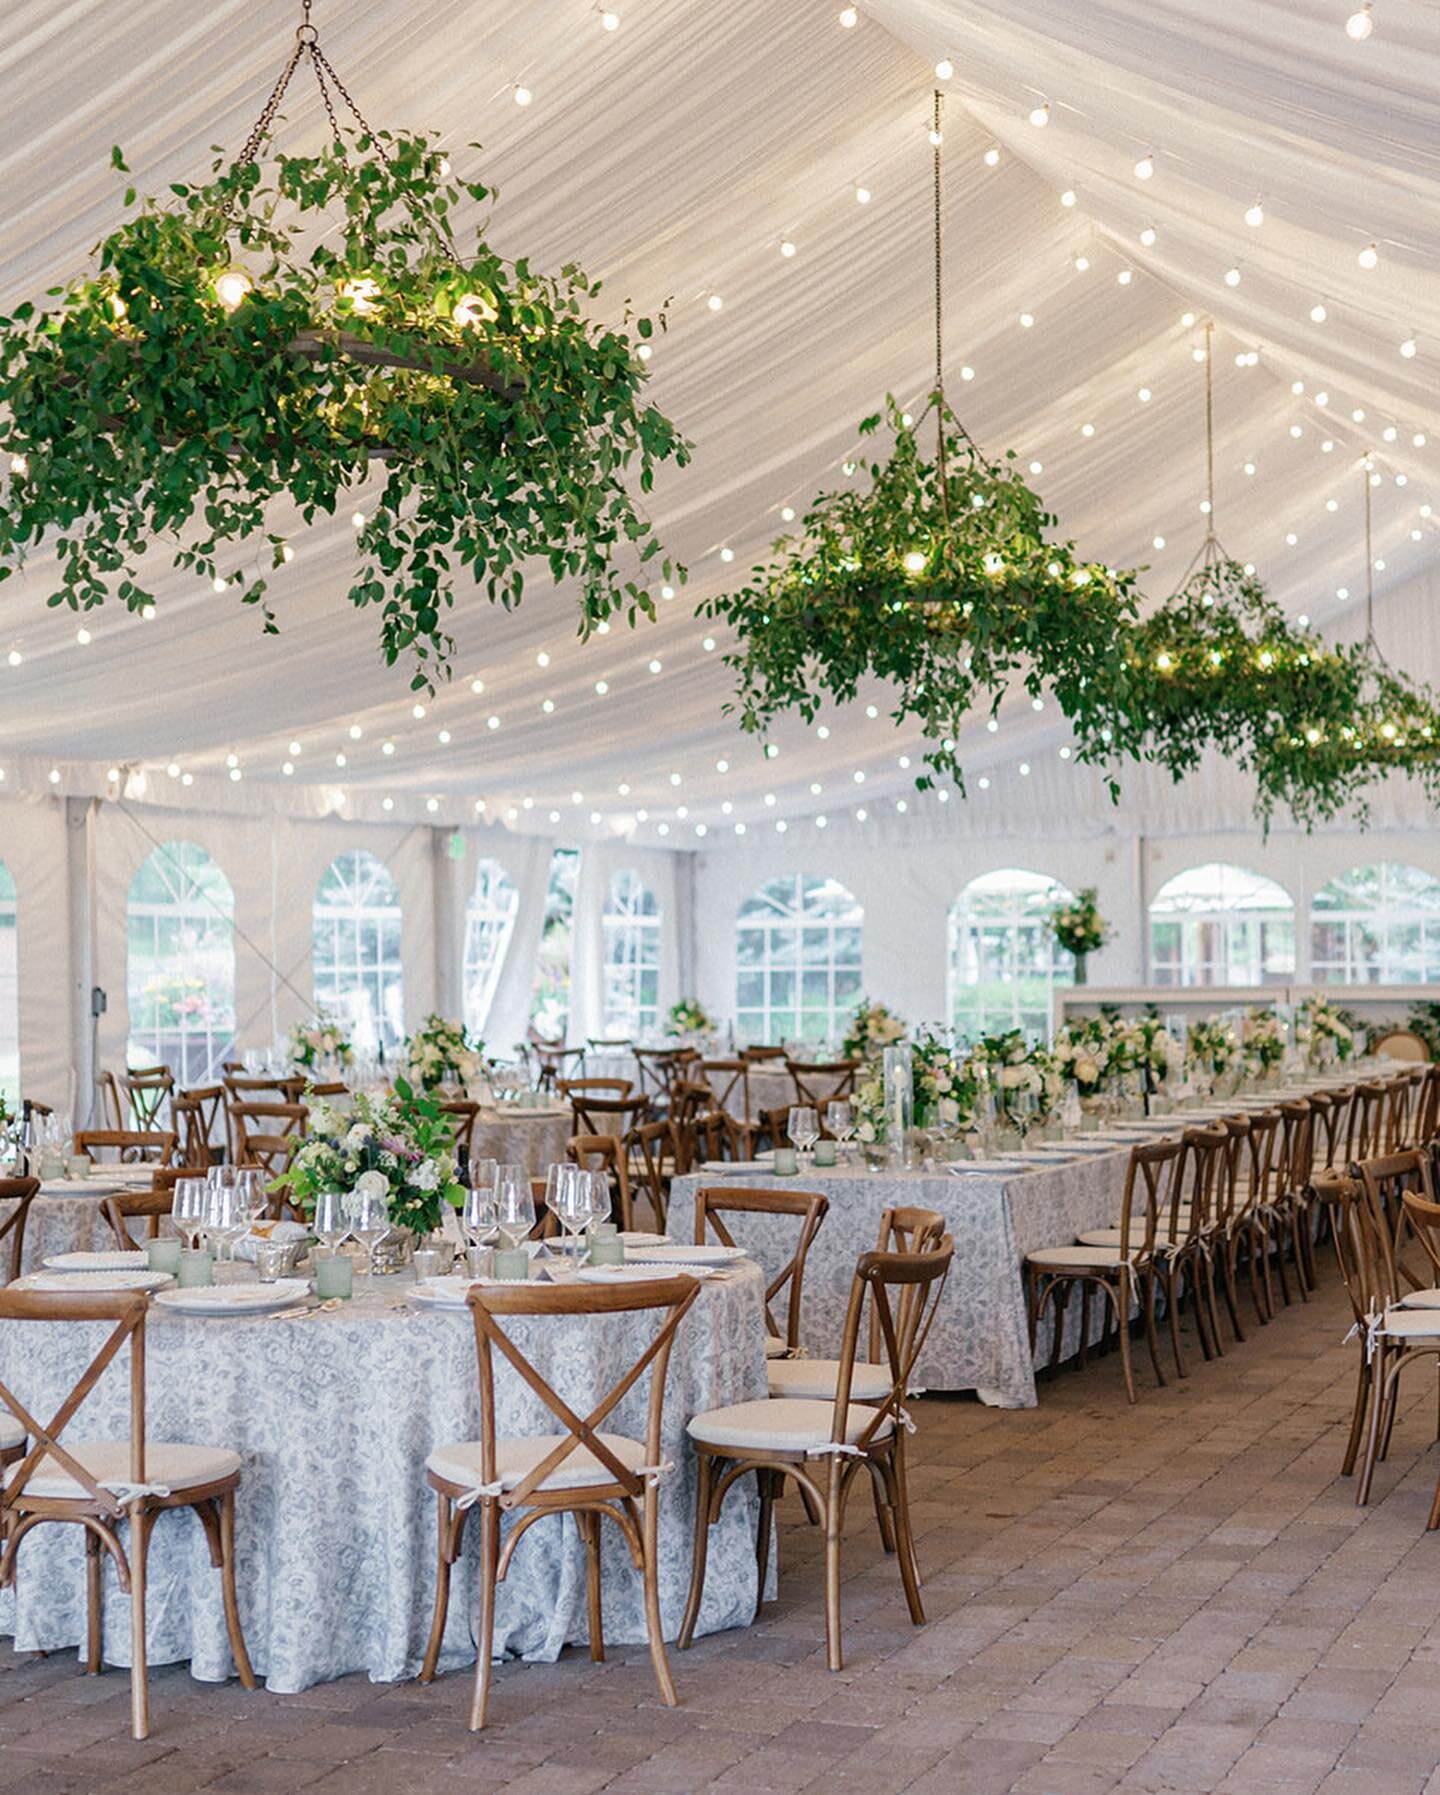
(936, 139)
(1210, 535)
(1365, 469)
(307, 43)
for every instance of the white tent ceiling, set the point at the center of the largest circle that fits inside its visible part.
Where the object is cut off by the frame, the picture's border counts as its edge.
(671, 157)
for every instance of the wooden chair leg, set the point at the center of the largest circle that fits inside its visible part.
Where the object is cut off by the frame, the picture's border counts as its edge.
(588, 1526)
(769, 1483)
(899, 1505)
(94, 1608)
(444, 1556)
(1378, 1390)
(1357, 1419)
(1120, 1296)
(654, 1628)
(1229, 1283)
(1152, 1339)
(485, 1628)
(704, 1468)
(1172, 1316)
(227, 1589)
(883, 1519)
(140, 1523)
(1275, 1241)
(834, 1521)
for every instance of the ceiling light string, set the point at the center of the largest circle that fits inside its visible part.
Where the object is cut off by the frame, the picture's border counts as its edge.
(1210, 553)
(1366, 468)
(937, 140)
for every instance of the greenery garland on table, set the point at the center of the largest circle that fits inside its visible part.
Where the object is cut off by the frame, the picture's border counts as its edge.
(222, 356)
(940, 578)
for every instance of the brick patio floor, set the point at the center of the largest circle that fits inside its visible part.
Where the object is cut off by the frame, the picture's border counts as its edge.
(1181, 1596)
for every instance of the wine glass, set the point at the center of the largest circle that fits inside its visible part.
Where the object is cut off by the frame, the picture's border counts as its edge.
(370, 1222)
(481, 1174)
(514, 1206)
(803, 1126)
(840, 1120)
(598, 1208)
(558, 1179)
(187, 1207)
(332, 1218)
(218, 1213)
(477, 1214)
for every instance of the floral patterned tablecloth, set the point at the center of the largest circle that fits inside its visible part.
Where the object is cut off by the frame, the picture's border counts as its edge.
(333, 1417)
(527, 1139)
(65, 1218)
(980, 1339)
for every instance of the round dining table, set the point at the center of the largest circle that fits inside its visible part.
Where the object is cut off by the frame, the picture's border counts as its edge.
(65, 1216)
(333, 1415)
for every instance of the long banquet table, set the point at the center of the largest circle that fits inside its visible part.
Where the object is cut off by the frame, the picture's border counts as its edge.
(333, 1416)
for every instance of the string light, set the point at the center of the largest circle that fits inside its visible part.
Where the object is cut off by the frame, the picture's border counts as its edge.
(1145, 167)
(610, 21)
(233, 287)
(862, 195)
(787, 248)
(1318, 314)
(715, 302)
(1067, 198)
(944, 69)
(523, 95)
(1369, 257)
(1360, 24)
(82, 636)
(849, 18)
(991, 157)
(1408, 348)
(1255, 217)
(1124, 277)
(1040, 115)
(1232, 277)
(1147, 237)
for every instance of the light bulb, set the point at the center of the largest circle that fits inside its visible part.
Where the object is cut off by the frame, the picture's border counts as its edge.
(991, 157)
(1255, 217)
(474, 308)
(1040, 115)
(1157, 542)
(287, 554)
(1144, 395)
(1318, 314)
(357, 520)
(363, 292)
(915, 561)
(862, 196)
(19, 464)
(644, 352)
(232, 287)
(1144, 168)
(727, 554)
(523, 96)
(1026, 320)
(1124, 277)
(443, 168)
(1147, 237)
(610, 21)
(1408, 347)
(1369, 256)
(787, 513)
(15, 657)
(1232, 277)
(1082, 263)
(715, 302)
(936, 139)
(1359, 25)
(849, 18)
(1067, 198)
(82, 636)
(787, 248)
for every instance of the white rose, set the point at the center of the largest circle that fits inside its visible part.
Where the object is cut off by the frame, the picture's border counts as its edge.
(358, 1137)
(1011, 1077)
(426, 1175)
(1086, 1071)
(372, 1184)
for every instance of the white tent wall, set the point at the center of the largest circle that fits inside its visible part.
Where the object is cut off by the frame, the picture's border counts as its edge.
(35, 847)
(667, 877)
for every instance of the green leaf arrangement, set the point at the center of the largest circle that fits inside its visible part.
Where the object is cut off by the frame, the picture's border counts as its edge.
(940, 577)
(263, 341)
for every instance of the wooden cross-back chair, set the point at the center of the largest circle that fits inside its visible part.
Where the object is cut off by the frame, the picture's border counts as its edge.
(199, 1116)
(759, 1055)
(552, 1063)
(150, 1206)
(131, 1146)
(714, 1202)
(146, 1090)
(772, 1130)
(1402, 1111)
(608, 1153)
(653, 1068)
(1365, 1125)
(97, 1485)
(1335, 1198)
(654, 1155)
(730, 1082)
(16, 1196)
(267, 1134)
(1119, 1269)
(583, 1470)
(608, 1115)
(593, 1087)
(261, 1088)
(818, 1082)
(822, 1445)
(711, 1135)
(465, 1113)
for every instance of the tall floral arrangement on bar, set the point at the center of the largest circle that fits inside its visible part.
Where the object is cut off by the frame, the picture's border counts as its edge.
(1077, 925)
(872, 1029)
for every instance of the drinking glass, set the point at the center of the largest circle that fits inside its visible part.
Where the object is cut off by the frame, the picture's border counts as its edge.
(803, 1127)
(332, 1218)
(840, 1120)
(514, 1206)
(598, 1198)
(481, 1174)
(370, 1222)
(187, 1206)
(477, 1215)
(222, 1216)
(565, 1199)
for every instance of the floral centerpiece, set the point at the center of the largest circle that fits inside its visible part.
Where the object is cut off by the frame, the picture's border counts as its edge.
(1213, 1047)
(312, 1043)
(440, 1052)
(1083, 1051)
(688, 1017)
(941, 1078)
(1012, 1070)
(1079, 928)
(400, 1147)
(1323, 1031)
(1155, 1050)
(1264, 1042)
(872, 1029)
(872, 1118)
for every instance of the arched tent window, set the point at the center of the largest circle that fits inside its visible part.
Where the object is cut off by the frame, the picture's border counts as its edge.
(1221, 925)
(550, 993)
(797, 953)
(180, 964)
(1004, 963)
(1376, 925)
(632, 957)
(489, 924)
(9, 991)
(357, 966)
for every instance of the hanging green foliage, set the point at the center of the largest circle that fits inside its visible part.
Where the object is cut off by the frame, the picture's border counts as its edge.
(939, 578)
(267, 341)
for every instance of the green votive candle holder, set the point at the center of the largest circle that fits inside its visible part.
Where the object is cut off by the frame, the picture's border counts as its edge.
(334, 1276)
(824, 1153)
(163, 1255)
(786, 1165)
(195, 1268)
(511, 1264)
(607, 1249)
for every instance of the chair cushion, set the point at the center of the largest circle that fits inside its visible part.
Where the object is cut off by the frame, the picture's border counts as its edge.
(1078, 1258)
(1413, 1299)
(516, 1457)
(817, 1377)
(175, 1468)
(775, 1347)
(1411, 1324)
(1110, 1237)
(11, 1432)
(786, 1425)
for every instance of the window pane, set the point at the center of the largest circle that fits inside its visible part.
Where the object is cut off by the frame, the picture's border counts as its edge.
(1004, 966)
(814, 924)
(357, 932)
(180, 964)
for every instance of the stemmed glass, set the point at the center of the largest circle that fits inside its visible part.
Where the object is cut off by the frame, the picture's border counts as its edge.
(840, 1120)
(514, 1206)
(225, 1214)
(803, 1126)
(569, 1203)
(559, 1186)
(370, 1222)
(187, 1208)
(598, 1207)
(332, 1218)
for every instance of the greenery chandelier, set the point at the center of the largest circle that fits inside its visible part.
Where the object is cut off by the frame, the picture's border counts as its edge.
(940, 578)
(269, 338)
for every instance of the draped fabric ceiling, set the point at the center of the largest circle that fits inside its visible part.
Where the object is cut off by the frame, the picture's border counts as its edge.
(671, 157)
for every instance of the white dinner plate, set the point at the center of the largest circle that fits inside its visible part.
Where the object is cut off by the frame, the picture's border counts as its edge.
(710, 1254)
(626, 1274)
(116, 1261)
(1089, 1144)
(737, 1165)
(237, 1299)
(97, 1282)
(637, 1237)
(984, 1168)
(443, 1293)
